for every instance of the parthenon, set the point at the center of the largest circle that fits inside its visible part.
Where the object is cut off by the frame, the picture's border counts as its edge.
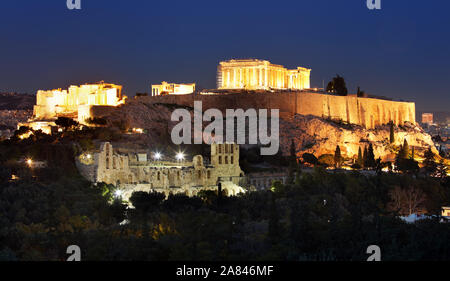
(254, 74)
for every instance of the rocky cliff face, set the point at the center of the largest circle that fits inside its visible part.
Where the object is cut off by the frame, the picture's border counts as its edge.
(310, 134)
(320, 136)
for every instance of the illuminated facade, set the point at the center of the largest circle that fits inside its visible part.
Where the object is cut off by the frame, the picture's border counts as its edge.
(53, 103)
(256, 74)
(427, 118)
(134, 171)
(172, 89)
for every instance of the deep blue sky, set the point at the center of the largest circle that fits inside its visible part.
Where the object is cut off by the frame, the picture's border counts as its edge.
(402, 51)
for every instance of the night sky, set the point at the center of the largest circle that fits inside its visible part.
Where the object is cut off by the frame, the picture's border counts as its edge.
(401, 51)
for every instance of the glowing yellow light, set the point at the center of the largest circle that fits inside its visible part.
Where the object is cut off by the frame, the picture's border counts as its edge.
(25, 136)
(29, 162)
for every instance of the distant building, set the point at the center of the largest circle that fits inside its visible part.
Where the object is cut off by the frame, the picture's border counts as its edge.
(254, 74)
(264, 180)
(166, 88)
(427, 118)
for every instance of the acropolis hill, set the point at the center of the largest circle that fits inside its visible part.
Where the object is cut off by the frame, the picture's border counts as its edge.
(252, 83)
(245, 84)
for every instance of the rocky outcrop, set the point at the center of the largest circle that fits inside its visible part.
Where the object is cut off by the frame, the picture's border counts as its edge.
(321, 136)
(310, 133)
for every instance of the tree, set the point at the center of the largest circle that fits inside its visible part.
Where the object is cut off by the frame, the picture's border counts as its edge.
(407, 165)
(66, 123)
(404, 163)
(274, 224)
(441, 170)
(404, 150)
(391, 133)
(365, 155)
(360, 160)
(360, 93)
(337, 157)
(370, 158)
(406, 201)
(293, 154)
(146, 201)
(429, 163)
(326, 160)
(297, 175)
(292, 163)
(337, 86)
(97, 121)
(379, 166)
(309, 158)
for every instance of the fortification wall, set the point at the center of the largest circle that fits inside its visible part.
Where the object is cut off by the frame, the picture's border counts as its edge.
(367, 112)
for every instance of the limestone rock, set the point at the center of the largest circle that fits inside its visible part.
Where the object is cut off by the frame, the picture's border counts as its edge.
(321, 136)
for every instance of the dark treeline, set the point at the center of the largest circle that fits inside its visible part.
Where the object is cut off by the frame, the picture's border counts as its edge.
(320, 216)
(316, 216)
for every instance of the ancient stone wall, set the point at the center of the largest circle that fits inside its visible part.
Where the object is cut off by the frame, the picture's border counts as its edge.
(367, 112)
(124, 170)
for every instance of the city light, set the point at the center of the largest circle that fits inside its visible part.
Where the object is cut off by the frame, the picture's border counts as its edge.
(29, 162)
(88, 156)
(157, 156)
(180, 156)
(118, 193)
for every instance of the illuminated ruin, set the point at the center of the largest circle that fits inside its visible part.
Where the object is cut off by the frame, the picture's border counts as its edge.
(75, 101)
(142, 171)
(254, 74)
(172, 89)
